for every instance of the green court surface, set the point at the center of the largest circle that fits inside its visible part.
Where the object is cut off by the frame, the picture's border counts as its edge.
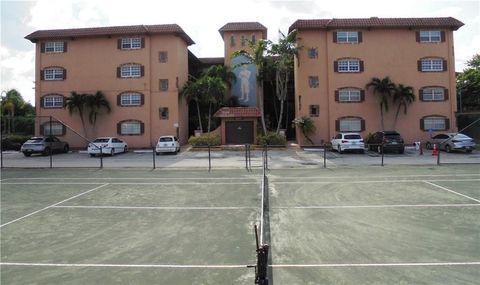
(373, 225)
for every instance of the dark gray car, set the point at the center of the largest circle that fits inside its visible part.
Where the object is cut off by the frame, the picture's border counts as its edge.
(44, 145)
(391, 141)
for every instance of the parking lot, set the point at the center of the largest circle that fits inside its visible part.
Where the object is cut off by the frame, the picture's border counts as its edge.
(290, 157)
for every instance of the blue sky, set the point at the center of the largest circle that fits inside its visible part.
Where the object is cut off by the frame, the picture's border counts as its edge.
(201, 21)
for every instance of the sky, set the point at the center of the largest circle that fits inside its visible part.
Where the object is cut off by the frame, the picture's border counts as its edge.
(201, 20)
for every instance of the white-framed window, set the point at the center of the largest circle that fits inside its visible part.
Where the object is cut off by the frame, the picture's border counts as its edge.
(130, 70)
(433, 94)
(53, 73)
(131, 99)
(55, 130)
(130, 128)
(313, 81)
(349, 65)
(350, 125)
(434, 123)
(312, 53)
(349, 95)
(432, 64)
(53, 101)
(131, 43)
(163, 112)
(52, 47)
(347, 37)
(430, 36)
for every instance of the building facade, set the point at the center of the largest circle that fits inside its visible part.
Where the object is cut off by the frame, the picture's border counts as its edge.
(339, 57)
(139, 69)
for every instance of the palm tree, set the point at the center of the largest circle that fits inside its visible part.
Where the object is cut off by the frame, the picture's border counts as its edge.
(214, 90)
(257, 56)
(284, 53)
(95, 103)
(403, 97)
(77, 103)
(223, 72)
(383, 88)
(191, 91)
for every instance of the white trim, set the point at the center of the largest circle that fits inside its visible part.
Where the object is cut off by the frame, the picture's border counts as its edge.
(377, 206)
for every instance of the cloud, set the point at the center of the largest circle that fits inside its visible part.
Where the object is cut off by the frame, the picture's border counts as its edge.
(17, 67)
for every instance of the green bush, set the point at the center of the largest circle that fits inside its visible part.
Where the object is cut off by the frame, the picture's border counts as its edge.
(205, 140)
(13, 142)
(271, 138)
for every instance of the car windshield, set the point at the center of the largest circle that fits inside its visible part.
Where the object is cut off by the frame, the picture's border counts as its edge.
(461, 136)
(166, 139)
(101, 140)
(353, 137)
(35, 140)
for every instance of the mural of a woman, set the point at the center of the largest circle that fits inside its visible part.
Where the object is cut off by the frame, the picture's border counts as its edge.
(244, 75)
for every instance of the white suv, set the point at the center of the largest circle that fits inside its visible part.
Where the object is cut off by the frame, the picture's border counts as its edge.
(348, 141)
(167, 144)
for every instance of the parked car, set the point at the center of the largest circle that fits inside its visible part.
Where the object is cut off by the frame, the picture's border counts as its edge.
(348, 141)
(44, 145)
(391, 141)
(452, 141)
(107, 145)
(167, 144)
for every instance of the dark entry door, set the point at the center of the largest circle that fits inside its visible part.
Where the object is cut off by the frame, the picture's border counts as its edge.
(239, 132)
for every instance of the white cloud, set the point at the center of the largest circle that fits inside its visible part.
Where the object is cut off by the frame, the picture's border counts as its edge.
(17, 67)
(202, 19)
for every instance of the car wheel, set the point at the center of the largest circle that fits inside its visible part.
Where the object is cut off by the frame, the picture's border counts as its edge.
(468, 150)
(339, 149)
(46, 151)
(401, 151)
(448, 148)
(125, 149)
(66, 148)
(92, 155)
(157, 153)
(428, 145)
(362, 151)
(112, 151)
(27, 154)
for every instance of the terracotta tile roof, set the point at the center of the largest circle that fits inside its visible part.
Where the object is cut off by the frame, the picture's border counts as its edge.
(374, 22)
(110, 31)
(237, 112)
(243, 26)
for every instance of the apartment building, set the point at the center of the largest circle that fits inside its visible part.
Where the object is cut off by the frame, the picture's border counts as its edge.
(139, 69)
(339, 57)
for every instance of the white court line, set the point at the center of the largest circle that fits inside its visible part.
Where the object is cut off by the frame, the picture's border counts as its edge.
(379, 176)
(376, 264)
(451, 191)
(157, 208)
(53, 205)
(132, 183)
(133, 178)
(122, 265)
(378, 206)
(371, 181)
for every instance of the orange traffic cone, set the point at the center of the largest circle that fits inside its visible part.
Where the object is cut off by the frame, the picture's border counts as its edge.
(434, 151)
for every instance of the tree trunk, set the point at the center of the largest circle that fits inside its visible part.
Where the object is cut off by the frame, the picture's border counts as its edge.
(209, 117)
(381, 117)
(199, 117)
(396, 117)
(262, 113)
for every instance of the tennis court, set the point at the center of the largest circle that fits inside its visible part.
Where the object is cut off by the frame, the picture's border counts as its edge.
(372, 225)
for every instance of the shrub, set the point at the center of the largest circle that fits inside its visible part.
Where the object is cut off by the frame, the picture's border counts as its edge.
(271, 138)
(205, 140)
(13, 142)
(306, 126)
